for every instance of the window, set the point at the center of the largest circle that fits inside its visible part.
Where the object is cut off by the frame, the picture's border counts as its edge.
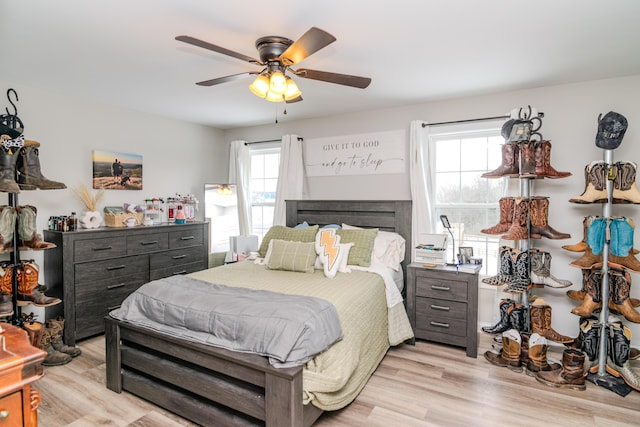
(265, 162)
(469, 201)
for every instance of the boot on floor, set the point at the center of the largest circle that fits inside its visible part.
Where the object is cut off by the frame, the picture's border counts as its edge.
(35, 331)
(53, 357)
(570, 375)
(57, 332)
(509, 357)
(537, 356)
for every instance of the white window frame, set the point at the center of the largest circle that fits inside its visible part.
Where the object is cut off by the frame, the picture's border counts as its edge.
(259, 228)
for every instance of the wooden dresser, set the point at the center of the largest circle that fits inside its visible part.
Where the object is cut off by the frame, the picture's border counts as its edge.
(442, 305)
(94, 270)
(20, 365)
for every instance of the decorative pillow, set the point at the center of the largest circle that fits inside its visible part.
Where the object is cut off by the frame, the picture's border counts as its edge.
(291, 256)
(332, 255)
(388, 248)
(280, 232)
(363, 240)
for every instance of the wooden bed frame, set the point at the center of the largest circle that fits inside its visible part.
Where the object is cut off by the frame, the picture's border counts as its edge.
(213, 386)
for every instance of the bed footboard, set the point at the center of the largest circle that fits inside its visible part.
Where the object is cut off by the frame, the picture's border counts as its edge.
(204, 384)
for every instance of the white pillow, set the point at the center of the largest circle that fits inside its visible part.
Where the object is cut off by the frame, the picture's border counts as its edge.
(388, 248)
(331, 254)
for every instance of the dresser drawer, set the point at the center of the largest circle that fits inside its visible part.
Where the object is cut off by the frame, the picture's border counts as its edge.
(182, 238)
(441, 308)
(443, 288)
(176, 257)
(175, 270)
(96, 249)
(145, 243)
(110, 268)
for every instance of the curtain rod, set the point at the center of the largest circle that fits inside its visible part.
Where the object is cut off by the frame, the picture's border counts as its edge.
(269, 140)
(424, 125)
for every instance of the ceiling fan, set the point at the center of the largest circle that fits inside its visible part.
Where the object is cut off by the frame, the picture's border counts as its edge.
(277, 56)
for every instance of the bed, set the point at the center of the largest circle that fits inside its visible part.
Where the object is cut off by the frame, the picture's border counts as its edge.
(212, 385)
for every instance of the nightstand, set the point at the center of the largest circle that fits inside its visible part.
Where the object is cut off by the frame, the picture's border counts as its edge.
(442, 304)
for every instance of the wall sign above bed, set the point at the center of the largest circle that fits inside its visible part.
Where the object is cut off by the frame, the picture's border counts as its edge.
(363, 154)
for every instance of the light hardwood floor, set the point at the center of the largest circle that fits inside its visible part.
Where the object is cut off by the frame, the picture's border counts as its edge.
(422, 385)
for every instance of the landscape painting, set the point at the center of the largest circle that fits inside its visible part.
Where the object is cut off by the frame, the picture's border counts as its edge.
(114, 170)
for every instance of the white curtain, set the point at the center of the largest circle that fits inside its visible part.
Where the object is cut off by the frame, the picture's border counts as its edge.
(421, 180)
(240, 174)
(291, 177)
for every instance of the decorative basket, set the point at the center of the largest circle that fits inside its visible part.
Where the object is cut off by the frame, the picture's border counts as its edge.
(120, 219)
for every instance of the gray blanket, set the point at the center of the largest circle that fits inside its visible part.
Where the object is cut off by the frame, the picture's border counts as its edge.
(289, 329)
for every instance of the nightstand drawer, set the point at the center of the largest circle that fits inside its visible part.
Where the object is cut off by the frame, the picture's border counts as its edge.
(442, 288)
(441, 308)
(441, 325)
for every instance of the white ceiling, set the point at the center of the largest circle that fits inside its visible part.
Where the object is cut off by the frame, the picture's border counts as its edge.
(123, 52)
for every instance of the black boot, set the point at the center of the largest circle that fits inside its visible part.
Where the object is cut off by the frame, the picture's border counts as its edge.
(618, 349)
(504, 323)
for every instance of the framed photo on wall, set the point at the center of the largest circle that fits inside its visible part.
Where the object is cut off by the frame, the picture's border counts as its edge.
(114, 170)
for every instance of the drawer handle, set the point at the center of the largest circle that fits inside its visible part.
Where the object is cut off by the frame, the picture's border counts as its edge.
(116, 267)
(440, 307)
(154, 242)
(440, 288)
(180, 272)
(442, 325)
(4, 414)
(103, 248)
(188, 238)
(178, 256)
(113, 307)
(119, 285)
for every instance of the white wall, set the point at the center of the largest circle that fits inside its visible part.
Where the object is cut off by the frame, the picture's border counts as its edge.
(178, 157)
(570, 124)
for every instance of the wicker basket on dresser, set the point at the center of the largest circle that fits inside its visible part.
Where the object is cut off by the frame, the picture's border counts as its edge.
(94, 270)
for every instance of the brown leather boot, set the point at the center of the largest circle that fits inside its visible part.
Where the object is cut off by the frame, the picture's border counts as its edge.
(29, 173)
(539, 219)
(519, 229)
(624, 184)
(587, 260)
(620, 286)
(527, 159)
(592, 300)
(53, 357)
(595, 190)
(543, 162)
(540, 313)
(509, 357)
(35, 330)
(8, 159)
(618, 364)
(506, 216)
(6, 305)
(571, 375)
(537, 358)
(509, 166)
(57, 331)
(581, 245)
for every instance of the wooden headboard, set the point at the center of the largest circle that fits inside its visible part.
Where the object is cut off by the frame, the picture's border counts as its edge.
(388, 215)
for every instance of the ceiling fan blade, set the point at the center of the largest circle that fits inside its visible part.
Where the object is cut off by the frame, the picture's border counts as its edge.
(225, 79)
(296, 99)
(310, 42)
(341, 79)
(215, 48)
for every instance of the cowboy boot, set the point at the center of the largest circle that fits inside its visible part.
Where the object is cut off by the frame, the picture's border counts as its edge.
(57, 328)
(618, 363)
(543, 162)
(506, 216)
(595, 243)
(624, 184)
(503, 324)
(621, 244)
(6, 278)
(6, 305)
(541, 270)
(589, 338)
(592, 300)
(29, 173)
(579, 295)
(510, 355)
(521, 281)
(527, 159)
(537, 359)
(581, 245)
(595, 189)
(620, 286)
(27, 229)
(8, 160)
(53, 357)
(541, 322)
(509, 166)
(505, 275)
(519, 229)
(540, 217)
(517, 318)
(571, 375)
(28, 275)
(35, 330)
(524, 348)
(7, 227)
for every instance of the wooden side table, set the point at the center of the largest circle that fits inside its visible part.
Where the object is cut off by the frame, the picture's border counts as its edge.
(442, 304)
(20, 365)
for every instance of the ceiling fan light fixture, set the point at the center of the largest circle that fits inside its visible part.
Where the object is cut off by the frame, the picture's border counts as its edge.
(292, 91)
(260, 86)
(277, 83)
(274, 97)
